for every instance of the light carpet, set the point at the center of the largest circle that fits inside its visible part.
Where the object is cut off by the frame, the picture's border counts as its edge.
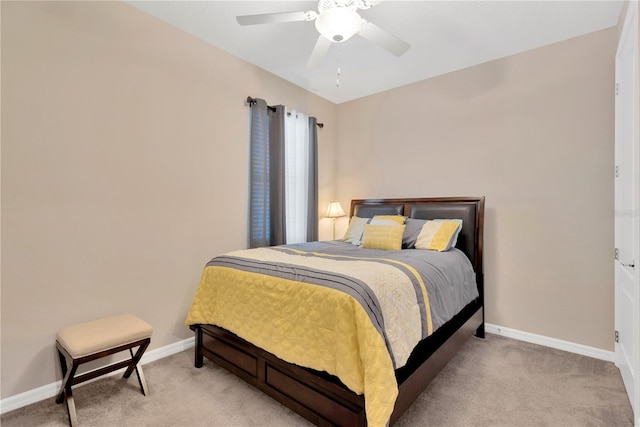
(492, 382)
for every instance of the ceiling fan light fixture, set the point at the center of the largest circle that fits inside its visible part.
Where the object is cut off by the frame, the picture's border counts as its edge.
(338, 24)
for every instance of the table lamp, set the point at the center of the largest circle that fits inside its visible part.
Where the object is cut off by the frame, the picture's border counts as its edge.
(335, 211)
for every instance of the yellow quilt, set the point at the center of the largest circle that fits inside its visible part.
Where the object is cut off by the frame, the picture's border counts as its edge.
(315, 326)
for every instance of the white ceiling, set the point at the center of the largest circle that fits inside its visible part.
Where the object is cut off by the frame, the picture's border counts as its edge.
(444, 36)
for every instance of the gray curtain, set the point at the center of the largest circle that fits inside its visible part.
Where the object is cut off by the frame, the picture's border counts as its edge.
(277, 173)
(312, 218)
(266, 182)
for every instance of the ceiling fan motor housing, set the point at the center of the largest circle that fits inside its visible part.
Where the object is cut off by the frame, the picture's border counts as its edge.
(338, 24)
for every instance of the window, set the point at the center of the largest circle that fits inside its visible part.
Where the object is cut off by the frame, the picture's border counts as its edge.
(296, 147)
(283, 176)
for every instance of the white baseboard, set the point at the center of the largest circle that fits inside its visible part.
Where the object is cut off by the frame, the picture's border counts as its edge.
(50, 390)
(583, 350)
(168, 350)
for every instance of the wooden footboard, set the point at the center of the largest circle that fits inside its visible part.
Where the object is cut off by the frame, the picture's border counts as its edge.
(432, 354)
(320, 397)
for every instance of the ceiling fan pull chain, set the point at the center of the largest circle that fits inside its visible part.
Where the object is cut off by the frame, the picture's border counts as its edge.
(338, 64)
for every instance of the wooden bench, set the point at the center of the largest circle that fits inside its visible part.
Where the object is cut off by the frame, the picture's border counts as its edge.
(93, 340)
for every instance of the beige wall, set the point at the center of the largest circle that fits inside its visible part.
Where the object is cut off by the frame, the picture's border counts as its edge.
(534, 133)
(124, 140)
(124, 170)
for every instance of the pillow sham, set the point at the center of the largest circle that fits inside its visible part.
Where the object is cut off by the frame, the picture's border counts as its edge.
(439, 235)
(382, 237)
(454, 240)
(355, 229)
(388, 220)
(411, 232)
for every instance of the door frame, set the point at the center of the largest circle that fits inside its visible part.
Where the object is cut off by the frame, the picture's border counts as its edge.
(630, 29)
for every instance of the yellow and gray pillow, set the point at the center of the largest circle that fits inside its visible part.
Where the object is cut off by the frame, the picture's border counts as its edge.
(439, 234)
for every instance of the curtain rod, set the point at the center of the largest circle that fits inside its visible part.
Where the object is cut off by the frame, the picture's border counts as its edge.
(252, 101)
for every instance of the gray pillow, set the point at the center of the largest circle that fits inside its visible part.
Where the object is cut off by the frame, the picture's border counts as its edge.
(412, 230)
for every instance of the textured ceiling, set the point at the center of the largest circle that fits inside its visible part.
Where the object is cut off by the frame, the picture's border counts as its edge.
(444, 36)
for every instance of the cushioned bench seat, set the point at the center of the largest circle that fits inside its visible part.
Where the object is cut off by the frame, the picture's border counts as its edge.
(82, 343)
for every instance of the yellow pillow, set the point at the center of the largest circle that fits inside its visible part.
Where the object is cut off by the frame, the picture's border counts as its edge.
(388, 220)
(438, 235)
(382, 237)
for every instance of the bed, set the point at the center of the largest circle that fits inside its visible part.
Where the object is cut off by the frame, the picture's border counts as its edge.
(318, 384)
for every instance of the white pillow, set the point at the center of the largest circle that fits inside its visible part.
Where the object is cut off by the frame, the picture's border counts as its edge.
(354, 232)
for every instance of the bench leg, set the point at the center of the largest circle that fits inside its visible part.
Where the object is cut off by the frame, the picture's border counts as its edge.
(63, 367)
(71, 409)
(67, 380)
(141, 379)
(65, 393)
(135, 365)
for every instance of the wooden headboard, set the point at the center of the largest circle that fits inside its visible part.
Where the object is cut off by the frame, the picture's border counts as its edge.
(469, 209)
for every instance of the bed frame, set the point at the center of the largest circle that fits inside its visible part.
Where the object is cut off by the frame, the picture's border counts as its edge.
(322, 398)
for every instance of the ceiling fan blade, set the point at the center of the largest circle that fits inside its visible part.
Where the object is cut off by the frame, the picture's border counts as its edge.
(319, 52)
(274, 18)
(383, 38)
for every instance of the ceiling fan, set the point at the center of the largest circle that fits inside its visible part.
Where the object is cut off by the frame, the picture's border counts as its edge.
(336, 21)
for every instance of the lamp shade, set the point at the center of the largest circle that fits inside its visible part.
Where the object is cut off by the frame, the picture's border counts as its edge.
(338, 24)
(335, 209)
